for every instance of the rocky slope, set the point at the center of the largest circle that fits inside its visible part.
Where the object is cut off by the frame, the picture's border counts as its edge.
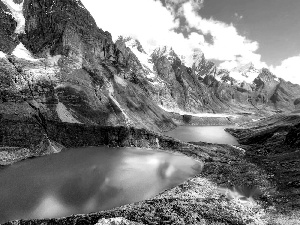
(65, 83)
(205, 88)
(72, 71)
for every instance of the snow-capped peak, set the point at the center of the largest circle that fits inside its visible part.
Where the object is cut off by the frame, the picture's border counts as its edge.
(168, 52)
(134, 43)
(244, 68)
(198, 56)
(145, 60)
(245, 73)
(17, 13)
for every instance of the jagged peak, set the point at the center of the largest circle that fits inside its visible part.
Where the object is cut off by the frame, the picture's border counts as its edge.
(245, 68)
(266, 75)
(198, 55)
(133, 43)
(167, 52)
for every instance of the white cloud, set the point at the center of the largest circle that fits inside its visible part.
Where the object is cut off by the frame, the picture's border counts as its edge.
(147, 20)
(153, 25)
(228, 45)
(288, 70)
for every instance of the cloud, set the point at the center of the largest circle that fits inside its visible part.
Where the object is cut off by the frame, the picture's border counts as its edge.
(154, 25)
(147, 20)
(288, 70)
(228, 45)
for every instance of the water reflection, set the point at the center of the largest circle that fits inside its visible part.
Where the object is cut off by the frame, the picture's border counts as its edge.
(209, 134)
(88, 179)
(50, 206)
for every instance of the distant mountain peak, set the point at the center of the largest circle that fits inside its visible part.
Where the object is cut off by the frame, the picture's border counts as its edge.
(133, 43)
(244, 68)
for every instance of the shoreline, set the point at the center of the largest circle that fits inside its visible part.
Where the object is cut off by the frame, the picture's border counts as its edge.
(199, 199)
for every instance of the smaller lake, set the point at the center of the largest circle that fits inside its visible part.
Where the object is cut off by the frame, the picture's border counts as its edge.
(209, 134)
(90, 179)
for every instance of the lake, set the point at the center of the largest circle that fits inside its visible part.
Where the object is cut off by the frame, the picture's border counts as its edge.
(89, 179)
(210, 134)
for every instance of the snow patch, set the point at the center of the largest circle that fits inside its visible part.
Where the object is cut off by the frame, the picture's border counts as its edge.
(2, 54)
(120, 81)
(248, 77)
(21, 52)
(17, 13)
(64, 115)
(111, 95)
(218, 78)
(181, 112)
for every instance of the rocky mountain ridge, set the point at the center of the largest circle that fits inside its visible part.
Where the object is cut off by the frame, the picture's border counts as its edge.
(73, 72)
(64, 83)
(243, 88)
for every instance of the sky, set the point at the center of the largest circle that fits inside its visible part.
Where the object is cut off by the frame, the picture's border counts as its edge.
(228, 32)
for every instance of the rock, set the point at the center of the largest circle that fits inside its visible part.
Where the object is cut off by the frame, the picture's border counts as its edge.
(116, 221)
(293, 136)
(9, 40)
(76, 65)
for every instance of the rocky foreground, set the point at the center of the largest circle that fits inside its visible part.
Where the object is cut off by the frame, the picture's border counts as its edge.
(255, 183)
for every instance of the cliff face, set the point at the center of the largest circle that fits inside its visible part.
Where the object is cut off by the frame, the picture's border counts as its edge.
(66, 28)
(205, 88)
(73, 71)
(8, 40)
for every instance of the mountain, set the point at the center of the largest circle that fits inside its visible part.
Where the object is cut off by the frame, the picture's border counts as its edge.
(71, 70)
(64, 83)
(55, 60)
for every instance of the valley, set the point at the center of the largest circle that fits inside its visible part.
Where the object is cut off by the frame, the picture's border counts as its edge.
(203, 145)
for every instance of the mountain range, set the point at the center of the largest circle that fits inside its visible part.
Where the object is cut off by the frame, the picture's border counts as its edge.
(64, 83)
(70, 69)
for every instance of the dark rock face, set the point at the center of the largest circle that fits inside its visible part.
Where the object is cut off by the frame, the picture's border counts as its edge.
(66, 28)
(30, 136)
(285, 95)
(9, 39)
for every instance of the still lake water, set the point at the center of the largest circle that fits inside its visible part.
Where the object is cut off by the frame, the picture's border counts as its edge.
(84, 180)
(210, 134)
